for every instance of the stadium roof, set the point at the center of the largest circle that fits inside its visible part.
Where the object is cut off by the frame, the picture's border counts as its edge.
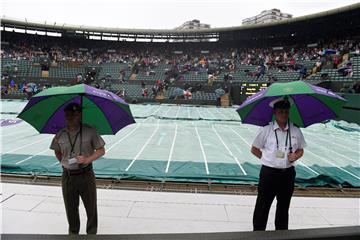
(169, 33)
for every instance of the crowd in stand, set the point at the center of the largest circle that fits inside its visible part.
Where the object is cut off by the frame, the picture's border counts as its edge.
(22, 88)
(213, 63)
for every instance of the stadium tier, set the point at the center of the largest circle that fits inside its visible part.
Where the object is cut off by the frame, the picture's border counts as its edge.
(213, 58)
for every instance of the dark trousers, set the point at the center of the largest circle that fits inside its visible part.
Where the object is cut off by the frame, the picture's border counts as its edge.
(218, 102)
(273, 183)
(74, 187)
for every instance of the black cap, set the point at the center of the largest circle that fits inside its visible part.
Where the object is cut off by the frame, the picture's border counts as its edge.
(284, 104)
(73, 107)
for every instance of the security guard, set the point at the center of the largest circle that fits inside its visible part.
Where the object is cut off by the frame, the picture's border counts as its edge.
(76, 150)
(278, 145)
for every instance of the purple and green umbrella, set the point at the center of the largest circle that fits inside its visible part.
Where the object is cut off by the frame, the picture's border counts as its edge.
(311, 104)
(101, 109)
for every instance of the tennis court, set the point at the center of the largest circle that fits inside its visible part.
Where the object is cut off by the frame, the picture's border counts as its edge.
(186, 144)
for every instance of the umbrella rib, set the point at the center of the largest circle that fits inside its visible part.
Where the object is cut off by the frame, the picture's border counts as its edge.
(112, 129)
(45, 98)
(318, 100)
(56, 110)
(254, 107)
(298, 109)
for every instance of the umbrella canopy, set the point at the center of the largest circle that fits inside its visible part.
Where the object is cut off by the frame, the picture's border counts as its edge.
(311, 104)
(101, 109)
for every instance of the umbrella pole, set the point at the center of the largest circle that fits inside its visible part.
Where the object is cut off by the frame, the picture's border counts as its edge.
(289, 136)
(81, 116)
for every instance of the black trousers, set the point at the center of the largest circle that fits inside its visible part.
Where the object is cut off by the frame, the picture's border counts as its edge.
(74, 187)
(273, 183)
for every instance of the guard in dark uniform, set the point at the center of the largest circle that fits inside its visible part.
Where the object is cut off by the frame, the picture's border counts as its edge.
(78, 178)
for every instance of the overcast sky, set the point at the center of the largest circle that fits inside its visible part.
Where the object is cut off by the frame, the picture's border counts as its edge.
(156, 14)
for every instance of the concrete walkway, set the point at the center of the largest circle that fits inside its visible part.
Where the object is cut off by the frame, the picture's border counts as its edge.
(39, 209)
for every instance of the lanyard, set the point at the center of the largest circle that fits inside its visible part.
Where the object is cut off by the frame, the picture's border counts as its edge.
(72, 144)
(288, 135)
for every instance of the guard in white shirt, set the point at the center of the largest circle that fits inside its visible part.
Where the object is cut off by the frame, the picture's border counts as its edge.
(278, 145)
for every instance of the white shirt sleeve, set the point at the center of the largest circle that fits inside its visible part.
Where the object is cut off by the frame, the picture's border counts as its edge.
(301, 140)
(259, 141)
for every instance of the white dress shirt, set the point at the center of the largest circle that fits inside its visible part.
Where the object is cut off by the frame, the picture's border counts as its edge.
(266, 142)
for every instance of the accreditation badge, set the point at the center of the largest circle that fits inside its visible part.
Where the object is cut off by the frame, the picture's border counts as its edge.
(280, 154)
(73, 165)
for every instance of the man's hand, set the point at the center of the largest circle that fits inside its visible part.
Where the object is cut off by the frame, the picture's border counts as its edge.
(83, 160)
(87, 160)
(257, 152)
(292, 157)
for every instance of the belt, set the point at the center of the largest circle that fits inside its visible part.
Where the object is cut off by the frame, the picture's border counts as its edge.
(78, 171)
(279, 169)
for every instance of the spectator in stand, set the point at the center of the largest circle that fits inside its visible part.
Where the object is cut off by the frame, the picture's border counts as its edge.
(335, 62)
(292, 63)
(4, 90)
(145, 92)
(356, 87)
(324, 77)
(346, 70)
(12, 86)
(187, 94)
(122, 76)
(260, 72)
(303, 72)
(228, 77)
(219, 92)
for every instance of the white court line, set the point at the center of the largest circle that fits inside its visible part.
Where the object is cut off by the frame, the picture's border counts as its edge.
(135, 110)
(310, 169)
(123, 138)
(333, 134)
(148, 108)
(319, 157)
(238, 149)
(56, 163)
(171, 149)
(28, 158)
(202, 150)
(339, 154)
(23, 146)
(227, 148)
(177, 112)
(199, 113)
(155, 110)
(169, 108)
(20, 131)
(345, 139)
(344, 147)
(143, 147)
(239, 136)
(213, 116)
(14, 125)
(138, 109)
(225, 117)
